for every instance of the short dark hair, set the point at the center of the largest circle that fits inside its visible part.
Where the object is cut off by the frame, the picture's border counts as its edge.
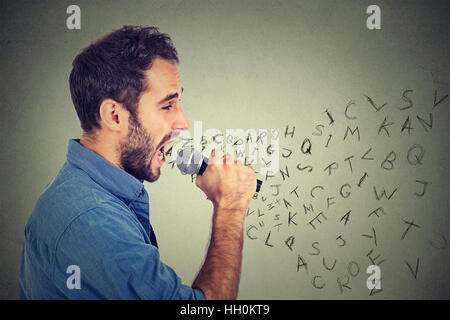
(113, 68)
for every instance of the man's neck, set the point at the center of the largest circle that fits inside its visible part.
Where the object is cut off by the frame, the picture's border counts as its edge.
(104, 147)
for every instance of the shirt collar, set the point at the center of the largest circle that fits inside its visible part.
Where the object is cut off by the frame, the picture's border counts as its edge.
(120, 183)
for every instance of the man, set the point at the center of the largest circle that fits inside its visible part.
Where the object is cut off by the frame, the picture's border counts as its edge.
(91, 224)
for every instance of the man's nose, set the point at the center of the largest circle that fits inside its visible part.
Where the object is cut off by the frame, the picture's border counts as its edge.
(180, 122)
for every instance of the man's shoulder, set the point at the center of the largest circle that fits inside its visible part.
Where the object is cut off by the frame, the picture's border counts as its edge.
(71, 194)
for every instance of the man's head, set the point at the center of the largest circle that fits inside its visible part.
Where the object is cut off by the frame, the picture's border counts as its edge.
(126, 90)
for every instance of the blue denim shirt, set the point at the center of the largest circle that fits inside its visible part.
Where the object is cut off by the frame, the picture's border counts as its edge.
(95, 216)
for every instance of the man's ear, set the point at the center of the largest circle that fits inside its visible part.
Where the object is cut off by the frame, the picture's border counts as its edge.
(112, 115)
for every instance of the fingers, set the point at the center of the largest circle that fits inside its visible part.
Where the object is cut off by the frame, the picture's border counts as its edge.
(226, 181)
(228, 158)
(218, 157)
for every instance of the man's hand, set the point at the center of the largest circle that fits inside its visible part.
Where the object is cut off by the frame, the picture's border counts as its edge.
(229, 184)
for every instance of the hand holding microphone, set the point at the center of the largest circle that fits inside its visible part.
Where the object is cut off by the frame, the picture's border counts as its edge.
(227, 183)
(191, 161)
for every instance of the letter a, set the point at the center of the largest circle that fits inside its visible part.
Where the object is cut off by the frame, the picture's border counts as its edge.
(74, 20)
(374, 280)
(374, 20)
(74, 280)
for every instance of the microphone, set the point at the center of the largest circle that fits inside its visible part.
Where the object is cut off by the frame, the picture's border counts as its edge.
(191, 161)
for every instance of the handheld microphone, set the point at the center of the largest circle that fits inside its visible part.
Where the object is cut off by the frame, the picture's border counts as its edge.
(191, 161)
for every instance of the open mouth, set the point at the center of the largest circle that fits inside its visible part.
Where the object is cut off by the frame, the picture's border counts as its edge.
(172, 138)
(161, 156)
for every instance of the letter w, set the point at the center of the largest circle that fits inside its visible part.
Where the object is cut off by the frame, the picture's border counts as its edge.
(378, 197)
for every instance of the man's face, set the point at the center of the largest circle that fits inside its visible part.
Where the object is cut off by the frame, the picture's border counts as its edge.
(156, 122)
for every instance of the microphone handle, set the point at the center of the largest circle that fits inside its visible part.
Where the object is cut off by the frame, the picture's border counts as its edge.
(205, 164)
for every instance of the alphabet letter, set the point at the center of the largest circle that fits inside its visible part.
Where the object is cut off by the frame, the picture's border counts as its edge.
(374, 20)
(74, 20)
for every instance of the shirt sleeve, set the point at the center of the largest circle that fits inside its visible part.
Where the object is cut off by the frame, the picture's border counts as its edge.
(114, 261)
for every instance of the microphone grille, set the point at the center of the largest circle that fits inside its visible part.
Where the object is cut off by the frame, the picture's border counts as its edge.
(189, 160)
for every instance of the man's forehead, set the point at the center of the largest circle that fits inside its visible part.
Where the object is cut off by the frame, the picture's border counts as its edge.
(163, 75)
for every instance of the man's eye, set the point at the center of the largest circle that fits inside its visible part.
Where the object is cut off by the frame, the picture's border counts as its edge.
(168, 107)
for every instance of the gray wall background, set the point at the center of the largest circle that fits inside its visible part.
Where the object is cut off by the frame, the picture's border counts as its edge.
(261, 64)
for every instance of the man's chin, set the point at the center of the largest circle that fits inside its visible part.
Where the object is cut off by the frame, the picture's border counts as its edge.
(149, 175)
(153, 175)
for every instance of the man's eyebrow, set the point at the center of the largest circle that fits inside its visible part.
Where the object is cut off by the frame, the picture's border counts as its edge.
(170, 97)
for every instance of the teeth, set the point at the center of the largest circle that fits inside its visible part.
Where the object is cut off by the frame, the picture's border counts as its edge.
(160, 155)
